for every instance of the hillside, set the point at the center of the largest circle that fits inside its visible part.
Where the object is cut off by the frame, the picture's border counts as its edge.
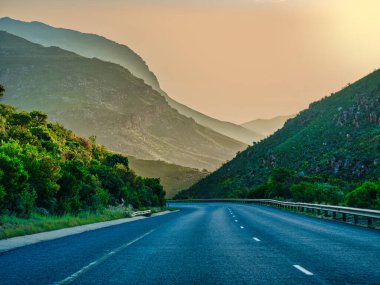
(173, 178)
(90, 45)
(231, 130)
(267, 127)
(47, 168)
(336, 140)
(87, 45)
(99, 98)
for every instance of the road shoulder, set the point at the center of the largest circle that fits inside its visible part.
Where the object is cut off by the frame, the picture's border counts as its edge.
(15, 242)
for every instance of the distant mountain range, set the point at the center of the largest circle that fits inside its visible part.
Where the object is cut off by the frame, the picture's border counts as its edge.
(94, 97)
(337, 137)
(51, 89)
(90, 45)
(267, 127)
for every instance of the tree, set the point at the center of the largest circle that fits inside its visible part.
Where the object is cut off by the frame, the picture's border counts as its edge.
(279, 183)
(18, 197)
(2, 90)
(113, 159)
(157, 191)
(366, 195)
(316, 193)
(39, 117)
(44, 167)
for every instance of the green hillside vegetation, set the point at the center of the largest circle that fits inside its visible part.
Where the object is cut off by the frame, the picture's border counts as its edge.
(46, 168)
(328, 153)
(90, 45)
(174, 178)
(93, 97)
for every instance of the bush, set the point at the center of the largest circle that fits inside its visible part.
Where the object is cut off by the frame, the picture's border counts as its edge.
(366, 195)
(316, 193)
(44, 166)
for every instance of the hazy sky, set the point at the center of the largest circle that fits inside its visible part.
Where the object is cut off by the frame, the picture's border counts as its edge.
(234, 60)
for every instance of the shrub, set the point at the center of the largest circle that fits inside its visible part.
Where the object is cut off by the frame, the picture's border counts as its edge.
(45, 166)
(316, 193)
(366, 195)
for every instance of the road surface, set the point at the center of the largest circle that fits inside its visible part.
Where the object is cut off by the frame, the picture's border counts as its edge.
(204, 243)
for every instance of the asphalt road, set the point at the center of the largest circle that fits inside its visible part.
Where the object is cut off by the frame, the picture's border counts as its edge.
(205, 243)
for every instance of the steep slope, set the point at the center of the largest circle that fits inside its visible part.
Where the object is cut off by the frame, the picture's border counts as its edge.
(87, 45)
(337, 137)
(231, 130)
(93, 97)
(90, 45)
(173, 177)
(267, 127)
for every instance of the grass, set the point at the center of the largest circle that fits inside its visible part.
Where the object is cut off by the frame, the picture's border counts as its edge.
(11, 226)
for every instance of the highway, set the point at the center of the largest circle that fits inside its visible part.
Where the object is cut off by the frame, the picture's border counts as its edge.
(204, 243)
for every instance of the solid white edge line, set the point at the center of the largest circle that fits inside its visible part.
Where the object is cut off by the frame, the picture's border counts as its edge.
(300, 268)
(86, 268)
(256, 239)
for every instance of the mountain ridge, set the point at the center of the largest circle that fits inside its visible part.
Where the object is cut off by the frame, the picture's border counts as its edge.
(173, 178)
(92, 45)
(267, 126)
(94, 97)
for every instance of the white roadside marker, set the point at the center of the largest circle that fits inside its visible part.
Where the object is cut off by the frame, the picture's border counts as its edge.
(303, 270)
(256, 239)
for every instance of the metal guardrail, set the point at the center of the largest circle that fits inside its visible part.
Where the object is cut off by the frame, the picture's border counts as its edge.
(322, 210)
(141, 213)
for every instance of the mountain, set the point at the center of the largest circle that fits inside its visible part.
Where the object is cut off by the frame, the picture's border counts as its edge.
(174, 178)
(93, 97)
(267, 127)
(90, 45)
(87, 45)
(231, 130)
(336, 140)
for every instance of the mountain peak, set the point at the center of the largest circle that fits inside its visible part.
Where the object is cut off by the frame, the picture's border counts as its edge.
(94, 97)
(91, 45)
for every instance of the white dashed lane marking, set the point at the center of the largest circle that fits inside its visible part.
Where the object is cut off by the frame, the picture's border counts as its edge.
(256, 239)
(303, 270)
(91, 265)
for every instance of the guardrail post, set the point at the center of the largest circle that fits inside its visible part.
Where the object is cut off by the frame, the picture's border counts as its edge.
(355, 219)
(334, 215)
(319, 212)
(369, 221)
(344, 217)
